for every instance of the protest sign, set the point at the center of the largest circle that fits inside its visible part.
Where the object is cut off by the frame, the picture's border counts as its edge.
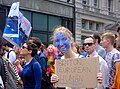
(77, 72)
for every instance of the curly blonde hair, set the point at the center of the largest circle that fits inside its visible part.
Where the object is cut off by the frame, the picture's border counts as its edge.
(64, 31)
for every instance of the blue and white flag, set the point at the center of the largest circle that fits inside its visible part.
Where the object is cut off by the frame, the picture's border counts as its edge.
(12, 24)
(25, 25)
(18, 28)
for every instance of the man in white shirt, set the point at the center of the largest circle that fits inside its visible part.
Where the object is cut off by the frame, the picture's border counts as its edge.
(89, 44)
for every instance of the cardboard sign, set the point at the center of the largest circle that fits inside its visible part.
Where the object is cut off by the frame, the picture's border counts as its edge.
(78, 72)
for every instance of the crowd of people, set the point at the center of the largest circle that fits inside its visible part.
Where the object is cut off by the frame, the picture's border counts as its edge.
(34, 63)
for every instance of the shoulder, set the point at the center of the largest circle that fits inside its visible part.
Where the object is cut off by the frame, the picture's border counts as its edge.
(115, 51)
(11, 51)
(102, 61)
(101, 49)
(115, 54)
(35, 63)
(41, 54)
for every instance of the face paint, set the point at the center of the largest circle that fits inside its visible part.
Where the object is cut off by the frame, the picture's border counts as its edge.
(62, 42)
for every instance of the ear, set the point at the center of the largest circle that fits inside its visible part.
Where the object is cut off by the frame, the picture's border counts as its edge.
(30, 51)
(96, 40)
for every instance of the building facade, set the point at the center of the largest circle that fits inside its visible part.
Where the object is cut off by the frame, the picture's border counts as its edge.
(44, 16)
(82, 17)
(96, 16)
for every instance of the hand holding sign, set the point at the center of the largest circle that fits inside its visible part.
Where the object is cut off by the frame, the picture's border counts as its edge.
(77, 73)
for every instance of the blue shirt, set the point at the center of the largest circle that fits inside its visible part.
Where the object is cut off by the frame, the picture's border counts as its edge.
(101, 51)
(32, 75)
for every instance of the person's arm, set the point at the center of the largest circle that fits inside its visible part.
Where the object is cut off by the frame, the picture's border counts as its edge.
(43, 63)
(114, 86)
(104, 71)
(116, 58)
(115, 83)
(2, 70)
(54, 79)
(37, 75)
(17, 63)
(116, 65)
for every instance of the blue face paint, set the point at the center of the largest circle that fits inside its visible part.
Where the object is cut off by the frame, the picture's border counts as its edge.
(62, 42)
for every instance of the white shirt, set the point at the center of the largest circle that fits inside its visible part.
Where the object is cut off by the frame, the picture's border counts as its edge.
(103, 69)
(12, 56)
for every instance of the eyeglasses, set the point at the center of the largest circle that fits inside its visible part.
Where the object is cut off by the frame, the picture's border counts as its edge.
(88, 44)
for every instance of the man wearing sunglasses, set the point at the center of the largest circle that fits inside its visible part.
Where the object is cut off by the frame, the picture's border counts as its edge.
(89, 45)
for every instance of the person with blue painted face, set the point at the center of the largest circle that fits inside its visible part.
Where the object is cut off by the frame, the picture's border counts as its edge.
(65, 43)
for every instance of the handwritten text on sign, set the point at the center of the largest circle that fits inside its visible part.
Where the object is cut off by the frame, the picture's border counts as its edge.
(79, 72)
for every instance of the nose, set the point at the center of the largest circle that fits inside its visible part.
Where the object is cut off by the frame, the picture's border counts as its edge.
(61, 43)
(100, 41)
(87, 45)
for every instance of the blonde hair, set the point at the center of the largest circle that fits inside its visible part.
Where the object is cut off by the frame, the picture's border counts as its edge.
(110, 36)
(64, 31)
(67, 32)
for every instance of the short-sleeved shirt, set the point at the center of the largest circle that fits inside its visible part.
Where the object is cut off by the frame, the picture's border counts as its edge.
(103, 70)
(110, 58)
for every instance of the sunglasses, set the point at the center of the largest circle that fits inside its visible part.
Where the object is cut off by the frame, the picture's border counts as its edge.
(88, 44)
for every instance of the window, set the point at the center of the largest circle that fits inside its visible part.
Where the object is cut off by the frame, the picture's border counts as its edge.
(2, 18)
(27, 14)
(82, 38)
(43, 37)
(83, 24)
(68, 1)
(50, 38)
(54, 22)
(85, 2)
(97, 27)
(39, 22)
(95, 3)
(90, 25)
(110, 5)
(68, 23)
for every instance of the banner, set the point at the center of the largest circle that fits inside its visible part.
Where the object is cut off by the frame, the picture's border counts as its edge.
(18, 28)
(77, 72)
(12, 25)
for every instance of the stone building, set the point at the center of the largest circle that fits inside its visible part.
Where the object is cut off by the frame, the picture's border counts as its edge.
(44, 15)
(96, 16)
(82, 17)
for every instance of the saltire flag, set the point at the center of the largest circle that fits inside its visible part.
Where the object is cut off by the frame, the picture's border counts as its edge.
(17, 29)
